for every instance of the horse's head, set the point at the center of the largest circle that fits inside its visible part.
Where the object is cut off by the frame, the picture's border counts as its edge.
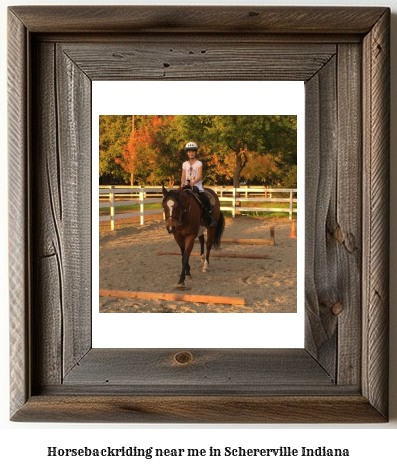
(173, 209)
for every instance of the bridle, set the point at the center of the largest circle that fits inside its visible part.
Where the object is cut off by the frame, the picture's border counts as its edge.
(180, 219)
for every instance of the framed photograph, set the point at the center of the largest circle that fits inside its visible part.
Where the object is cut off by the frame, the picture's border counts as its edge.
(256, 273)
(342, 56)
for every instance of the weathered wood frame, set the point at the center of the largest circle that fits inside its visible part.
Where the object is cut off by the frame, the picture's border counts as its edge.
(343, 56)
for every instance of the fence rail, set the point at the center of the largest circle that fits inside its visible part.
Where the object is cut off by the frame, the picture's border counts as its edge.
(114, 196)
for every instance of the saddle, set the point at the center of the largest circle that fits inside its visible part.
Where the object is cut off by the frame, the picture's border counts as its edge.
(194, 191)
(205, 211)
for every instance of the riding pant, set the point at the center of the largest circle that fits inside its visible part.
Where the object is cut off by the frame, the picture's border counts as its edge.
(204, 198)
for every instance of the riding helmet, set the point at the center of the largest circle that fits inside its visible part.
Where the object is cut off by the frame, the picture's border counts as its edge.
(191, 146)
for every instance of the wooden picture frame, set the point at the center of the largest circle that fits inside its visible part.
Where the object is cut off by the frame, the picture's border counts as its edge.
(342, 54)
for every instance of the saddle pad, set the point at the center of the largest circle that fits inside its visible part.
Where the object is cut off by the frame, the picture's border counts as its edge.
(210, 197)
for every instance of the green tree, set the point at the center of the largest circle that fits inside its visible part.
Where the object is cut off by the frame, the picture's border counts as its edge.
(151, 148)
(241, 137)
(114, 131)
(196, 128)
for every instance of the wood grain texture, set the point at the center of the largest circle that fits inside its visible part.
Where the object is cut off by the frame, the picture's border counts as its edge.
(74, 147)
(333, 215)
(208, 59)
(198, 409)
(19, 227)
(62, 224)
(47, 201)
(207, 369)
(198, 19)
(347, 225)
(341, 375)
(321, 278)
(376, 91)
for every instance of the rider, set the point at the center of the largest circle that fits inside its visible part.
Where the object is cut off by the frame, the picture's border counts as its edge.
(192, 172)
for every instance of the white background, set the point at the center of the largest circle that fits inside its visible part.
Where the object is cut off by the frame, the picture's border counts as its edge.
(228, 330)
(25, 445)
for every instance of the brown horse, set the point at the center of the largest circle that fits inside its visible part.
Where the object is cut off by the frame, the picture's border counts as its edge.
(184, 219)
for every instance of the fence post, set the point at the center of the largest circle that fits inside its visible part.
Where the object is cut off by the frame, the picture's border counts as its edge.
(291, 194)
(234, 203)
(112, 207)
(142, 206)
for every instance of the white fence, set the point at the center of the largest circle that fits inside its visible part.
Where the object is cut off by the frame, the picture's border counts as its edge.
(257, 195)
(113, 196)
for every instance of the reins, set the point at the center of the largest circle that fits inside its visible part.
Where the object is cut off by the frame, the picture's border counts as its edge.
(180, 221)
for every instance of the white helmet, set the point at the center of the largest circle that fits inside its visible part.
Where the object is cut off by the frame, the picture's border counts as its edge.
(191, 146)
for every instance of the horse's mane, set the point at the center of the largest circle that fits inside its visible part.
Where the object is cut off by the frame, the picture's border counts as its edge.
(172, 194)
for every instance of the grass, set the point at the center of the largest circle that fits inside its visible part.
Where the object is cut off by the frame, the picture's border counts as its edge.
(261, 214)
(128, 208)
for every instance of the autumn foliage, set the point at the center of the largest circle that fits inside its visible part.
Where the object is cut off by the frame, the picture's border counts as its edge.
(150, 149)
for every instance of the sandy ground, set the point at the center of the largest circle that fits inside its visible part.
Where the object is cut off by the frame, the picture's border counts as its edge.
(128, 262)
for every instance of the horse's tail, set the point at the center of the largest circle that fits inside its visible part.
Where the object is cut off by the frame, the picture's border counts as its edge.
(220, 226)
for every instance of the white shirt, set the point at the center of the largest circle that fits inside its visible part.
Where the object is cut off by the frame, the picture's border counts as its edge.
(191, 173)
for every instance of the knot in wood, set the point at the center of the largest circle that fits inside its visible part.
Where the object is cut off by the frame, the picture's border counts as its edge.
(337, 308)
(338, 235)
(183, 358)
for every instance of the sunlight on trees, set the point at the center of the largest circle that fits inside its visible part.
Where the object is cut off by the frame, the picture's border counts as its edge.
(149, 150)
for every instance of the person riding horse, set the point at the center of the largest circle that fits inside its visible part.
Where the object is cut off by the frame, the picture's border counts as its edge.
(185, 220)
(192, 173)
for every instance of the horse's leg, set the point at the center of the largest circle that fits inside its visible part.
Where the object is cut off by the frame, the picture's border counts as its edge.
(210, 238)
(187, 268)
(202, 256)
(180, 240)
(189, 242)
(187, 271)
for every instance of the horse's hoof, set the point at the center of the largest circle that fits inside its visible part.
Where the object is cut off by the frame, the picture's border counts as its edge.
(180, 286)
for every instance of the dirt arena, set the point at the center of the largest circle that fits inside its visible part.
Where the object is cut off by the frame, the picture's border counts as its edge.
(128, 262)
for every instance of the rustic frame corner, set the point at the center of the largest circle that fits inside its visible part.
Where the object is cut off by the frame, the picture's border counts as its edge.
(342, 54)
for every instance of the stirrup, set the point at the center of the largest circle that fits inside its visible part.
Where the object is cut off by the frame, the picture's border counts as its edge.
(211, 222)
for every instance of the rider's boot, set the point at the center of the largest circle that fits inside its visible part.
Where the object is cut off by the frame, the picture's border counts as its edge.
(211, 221)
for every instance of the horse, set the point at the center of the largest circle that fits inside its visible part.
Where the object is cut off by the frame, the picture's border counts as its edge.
(184, 219)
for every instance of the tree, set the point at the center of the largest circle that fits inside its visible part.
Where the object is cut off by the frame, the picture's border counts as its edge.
(151, 151)
(290, 177)
(113, 134)
(151, 148)
(243, 136)
(261, 170)
(196, 128)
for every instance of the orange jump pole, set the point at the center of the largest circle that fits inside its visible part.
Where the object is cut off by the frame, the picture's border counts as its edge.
(193, 298)
(248, 241)
(221, 255)
(271, 241)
